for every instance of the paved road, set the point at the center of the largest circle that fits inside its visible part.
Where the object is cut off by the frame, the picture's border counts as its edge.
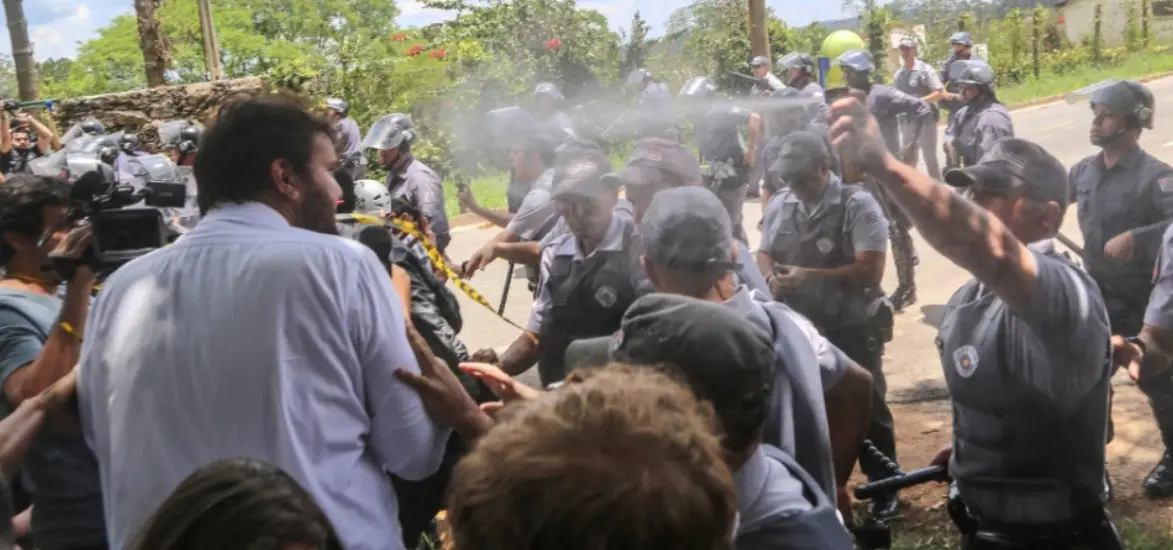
(911, 360)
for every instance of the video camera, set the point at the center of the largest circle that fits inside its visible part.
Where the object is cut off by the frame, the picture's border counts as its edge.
(122, 231)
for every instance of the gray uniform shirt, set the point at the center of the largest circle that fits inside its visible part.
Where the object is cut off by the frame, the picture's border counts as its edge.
(1160, 309)
(865, 218)
(919, 81)
(537, 210)
(348, 137)
(887, 104)
(820, 112)
(976, 127)
(1135, 195)
(420, 186)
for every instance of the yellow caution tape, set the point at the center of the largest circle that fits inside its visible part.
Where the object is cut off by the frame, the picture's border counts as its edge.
(437, 259)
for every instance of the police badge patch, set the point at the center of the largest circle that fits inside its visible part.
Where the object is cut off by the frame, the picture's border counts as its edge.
(1166, 184)
(965, 360)
(825, 245)
(606, 296)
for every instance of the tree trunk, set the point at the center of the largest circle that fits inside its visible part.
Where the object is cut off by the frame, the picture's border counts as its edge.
(154, 46)
(22, 50)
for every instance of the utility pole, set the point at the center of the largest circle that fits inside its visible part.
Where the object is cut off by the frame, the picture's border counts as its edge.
(759, 37)
(211, 49)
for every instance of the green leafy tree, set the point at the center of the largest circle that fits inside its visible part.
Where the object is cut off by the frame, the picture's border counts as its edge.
(636, 45)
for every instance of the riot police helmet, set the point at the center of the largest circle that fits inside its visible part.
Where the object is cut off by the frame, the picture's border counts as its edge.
(796, 60)
(1124, 97)
(973, 72)
(338, 105)
(699, 87)
(961, 38)
(129, 143)
(390, 132)
(371, 197)
(91, 126)
(548, 90)
(859, 61)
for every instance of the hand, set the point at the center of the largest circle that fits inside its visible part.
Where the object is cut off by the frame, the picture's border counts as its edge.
(943, 456)
(1121, 246)
(502, 385)
(786, 279)
(22, 118)
(61, 393)
(444, 398)
(749, 157)
(1126, 355)
(466, 198)
(481, 258)
(76, 243)
(487, 355)
(856, 135)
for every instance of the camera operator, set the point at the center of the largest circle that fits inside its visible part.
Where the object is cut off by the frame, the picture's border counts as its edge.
(16, 142)
(262, 333)
(40, 342)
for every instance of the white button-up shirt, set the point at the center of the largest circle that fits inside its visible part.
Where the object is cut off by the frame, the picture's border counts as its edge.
(252, 338)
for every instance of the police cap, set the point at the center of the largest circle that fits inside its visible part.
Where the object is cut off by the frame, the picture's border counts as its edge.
(799, 155)
(759, 61)
(724, 358)
(688, 228)
(1015, 163)
(652, 158)
(582, 173)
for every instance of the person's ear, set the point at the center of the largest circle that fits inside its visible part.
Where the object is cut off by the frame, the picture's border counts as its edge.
(284, 180)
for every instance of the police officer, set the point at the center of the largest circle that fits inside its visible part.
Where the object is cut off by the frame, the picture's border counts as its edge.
(962, 44)
(182, 145)
(726, 160)
(407, 177)
(347, 137)
(982, 121)
(657, 165)
(128, 148)
(689, 249)
(548, 106)
(823, 248)
(767, 82)
(730, 364)
(1125, 201)
(789, 112)
(532, 212)
(916, 78)
(801, 73)
(1024, 345)
(653, 111)
(888, 105)
(587, 278)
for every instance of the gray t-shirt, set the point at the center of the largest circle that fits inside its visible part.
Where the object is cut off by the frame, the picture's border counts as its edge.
(60, 470)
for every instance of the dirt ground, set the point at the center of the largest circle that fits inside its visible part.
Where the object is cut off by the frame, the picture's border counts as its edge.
(923, 426)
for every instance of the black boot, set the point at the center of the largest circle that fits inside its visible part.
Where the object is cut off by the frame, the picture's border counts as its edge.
(1159, 483)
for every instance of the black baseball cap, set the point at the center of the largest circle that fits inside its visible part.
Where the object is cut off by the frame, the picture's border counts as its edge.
(688, 228)
(651, 158)
(1014, 163)
(724, 357)
(799, 154)
(582, 172)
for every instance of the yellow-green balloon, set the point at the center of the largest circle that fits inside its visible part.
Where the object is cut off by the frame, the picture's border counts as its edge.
(837, 44)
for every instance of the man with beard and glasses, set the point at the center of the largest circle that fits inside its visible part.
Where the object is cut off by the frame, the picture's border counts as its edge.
(262, 333)
(1124, 198)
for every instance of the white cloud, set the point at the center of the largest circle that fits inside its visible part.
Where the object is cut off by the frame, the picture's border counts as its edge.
(59, 37)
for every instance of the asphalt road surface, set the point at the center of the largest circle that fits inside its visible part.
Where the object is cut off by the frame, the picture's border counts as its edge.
(911, 361)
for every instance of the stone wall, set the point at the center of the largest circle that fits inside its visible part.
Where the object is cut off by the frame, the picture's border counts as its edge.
(142, 111)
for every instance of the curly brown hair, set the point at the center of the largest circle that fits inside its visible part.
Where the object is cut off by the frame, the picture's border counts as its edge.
(627, 459)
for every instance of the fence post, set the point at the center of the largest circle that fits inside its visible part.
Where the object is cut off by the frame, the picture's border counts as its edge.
(1036, 32)
(1146, 9)
(1097, 33)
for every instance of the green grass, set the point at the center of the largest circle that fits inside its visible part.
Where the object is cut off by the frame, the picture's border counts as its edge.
(1050, 85)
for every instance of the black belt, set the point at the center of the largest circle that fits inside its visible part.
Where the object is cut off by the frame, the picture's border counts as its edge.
(1092, 530)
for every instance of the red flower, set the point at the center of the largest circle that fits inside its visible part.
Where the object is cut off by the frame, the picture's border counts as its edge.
(414, 51)
(438, 54)
(553, 44)
(1062, 20)
(400, 37)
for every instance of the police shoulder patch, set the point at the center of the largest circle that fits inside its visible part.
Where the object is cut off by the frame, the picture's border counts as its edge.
(965, 360)
(606, 296)
(1165, 184)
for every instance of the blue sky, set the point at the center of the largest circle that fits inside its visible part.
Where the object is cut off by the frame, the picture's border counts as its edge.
(56, 26)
